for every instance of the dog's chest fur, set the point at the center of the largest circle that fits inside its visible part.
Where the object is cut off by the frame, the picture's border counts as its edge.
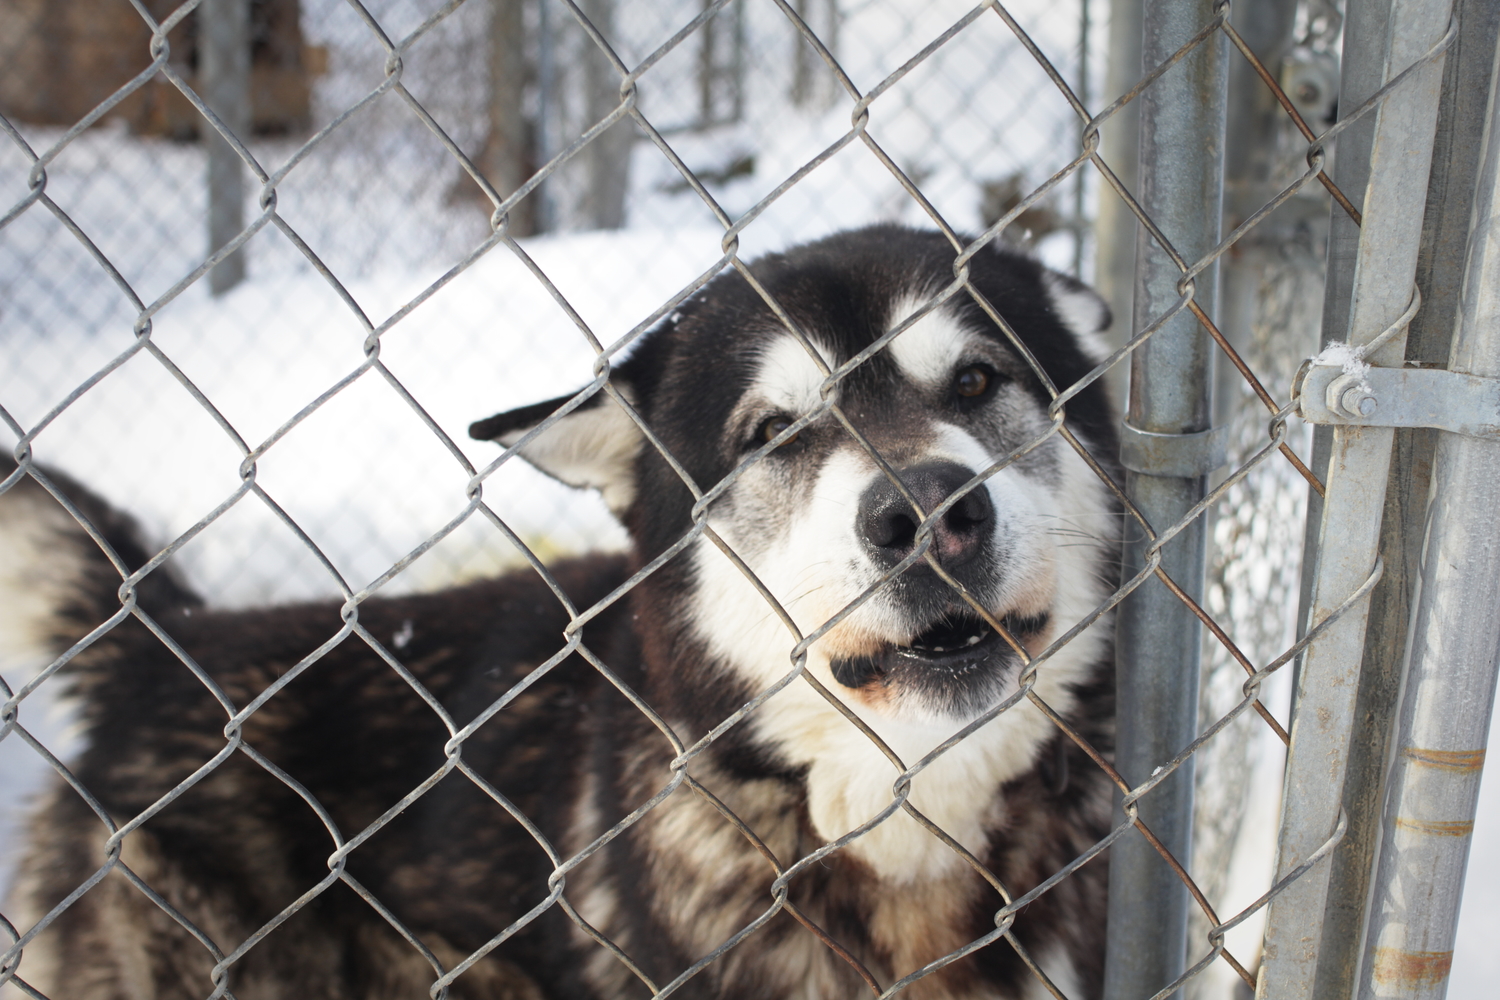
(685, 878)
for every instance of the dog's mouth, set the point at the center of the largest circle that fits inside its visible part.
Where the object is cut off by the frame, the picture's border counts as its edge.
(957, 644)
(965, 636)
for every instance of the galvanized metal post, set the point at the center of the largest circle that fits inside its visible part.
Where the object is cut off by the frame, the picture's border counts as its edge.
(224, 62)
(1361, 72)
(1114, 225)
(1250, 147)
(1158, 641)
(1085, 97)
(1453, 655)
(1362, 68)
(1359, 459)
(1457, 157)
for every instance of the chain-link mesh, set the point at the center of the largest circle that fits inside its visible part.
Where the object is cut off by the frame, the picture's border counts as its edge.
(65, 214)
(387, 208)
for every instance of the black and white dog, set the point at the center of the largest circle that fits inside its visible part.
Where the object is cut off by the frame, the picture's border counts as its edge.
(351, 752)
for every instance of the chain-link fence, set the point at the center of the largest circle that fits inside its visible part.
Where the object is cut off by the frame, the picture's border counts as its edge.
(387, 208)
(449, 205)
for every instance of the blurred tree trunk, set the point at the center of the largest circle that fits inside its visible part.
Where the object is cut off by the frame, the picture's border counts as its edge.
(224, 66)
(812, 85)
(607, 158)
(506, 157)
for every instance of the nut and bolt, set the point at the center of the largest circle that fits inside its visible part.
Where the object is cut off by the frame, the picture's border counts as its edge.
(1357, 402)
(1350, 396)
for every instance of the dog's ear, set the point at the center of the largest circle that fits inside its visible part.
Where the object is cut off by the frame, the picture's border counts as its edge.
(594, 445)
(1082, 311)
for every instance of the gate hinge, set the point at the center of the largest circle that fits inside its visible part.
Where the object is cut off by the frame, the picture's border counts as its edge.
(1399, 397)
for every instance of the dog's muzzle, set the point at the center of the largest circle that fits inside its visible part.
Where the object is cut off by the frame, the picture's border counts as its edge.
(888, 525)
(952, 649)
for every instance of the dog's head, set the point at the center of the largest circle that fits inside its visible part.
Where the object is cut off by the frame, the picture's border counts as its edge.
(723, 385)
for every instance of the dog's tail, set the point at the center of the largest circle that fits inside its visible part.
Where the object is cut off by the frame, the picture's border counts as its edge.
(57, 583)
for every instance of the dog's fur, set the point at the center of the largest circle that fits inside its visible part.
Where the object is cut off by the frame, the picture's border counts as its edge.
(818, 523)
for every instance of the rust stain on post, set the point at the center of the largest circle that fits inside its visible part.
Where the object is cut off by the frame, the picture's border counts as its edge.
(1411, 969)
(1450, 760)
(1437, 828)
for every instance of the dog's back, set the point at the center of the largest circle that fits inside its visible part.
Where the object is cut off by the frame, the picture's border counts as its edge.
(232, 839)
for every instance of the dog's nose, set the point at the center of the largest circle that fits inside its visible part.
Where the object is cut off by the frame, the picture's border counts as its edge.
(888, 526)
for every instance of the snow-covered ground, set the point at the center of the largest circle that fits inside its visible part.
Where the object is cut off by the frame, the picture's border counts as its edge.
(363, 475)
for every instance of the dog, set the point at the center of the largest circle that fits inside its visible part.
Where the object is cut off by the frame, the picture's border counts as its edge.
(403, 811)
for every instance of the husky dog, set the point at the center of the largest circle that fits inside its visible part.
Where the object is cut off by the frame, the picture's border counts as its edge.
(348, 844)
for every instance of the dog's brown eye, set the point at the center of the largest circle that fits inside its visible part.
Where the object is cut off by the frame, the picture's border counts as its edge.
(972, 381)
(775, 426)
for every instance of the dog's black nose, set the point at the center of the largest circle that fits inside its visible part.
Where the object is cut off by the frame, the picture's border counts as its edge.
(888, 525)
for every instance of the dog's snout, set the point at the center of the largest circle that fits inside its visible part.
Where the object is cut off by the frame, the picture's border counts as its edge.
(888, 525)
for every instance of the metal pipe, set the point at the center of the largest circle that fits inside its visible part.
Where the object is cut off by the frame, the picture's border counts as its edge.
(1080, 179)
(1453, 654)
(1254, 119)
(224, 60)
(1158, 640)
(1360, 75)
(1114, 225)
(1399, 158)
(1457, 158)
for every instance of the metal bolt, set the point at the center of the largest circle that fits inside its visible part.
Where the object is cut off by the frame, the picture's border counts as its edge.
(1348, 396)
(1357, 402)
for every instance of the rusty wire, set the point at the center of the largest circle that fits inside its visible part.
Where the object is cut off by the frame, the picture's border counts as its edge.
(783, 870)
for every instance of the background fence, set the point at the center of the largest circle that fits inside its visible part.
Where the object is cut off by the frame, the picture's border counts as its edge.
(388, 209)
(975, 124)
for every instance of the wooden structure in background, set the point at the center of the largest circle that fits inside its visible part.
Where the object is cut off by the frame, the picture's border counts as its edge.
(58, 61)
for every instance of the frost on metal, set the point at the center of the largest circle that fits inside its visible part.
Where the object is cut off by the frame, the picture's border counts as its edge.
(1350, 358)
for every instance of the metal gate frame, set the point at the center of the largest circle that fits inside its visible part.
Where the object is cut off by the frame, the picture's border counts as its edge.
(1425, 788)
(1391, 710)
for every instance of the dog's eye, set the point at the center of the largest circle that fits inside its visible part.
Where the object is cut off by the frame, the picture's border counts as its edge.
(773, 427)
(972, 382)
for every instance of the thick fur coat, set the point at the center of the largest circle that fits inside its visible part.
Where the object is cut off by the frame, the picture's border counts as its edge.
(358, 747)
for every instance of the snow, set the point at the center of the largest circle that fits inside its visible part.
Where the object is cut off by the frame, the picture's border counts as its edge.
(1350, 358)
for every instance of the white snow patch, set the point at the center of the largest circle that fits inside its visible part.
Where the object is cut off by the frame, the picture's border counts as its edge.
(1348, 357)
